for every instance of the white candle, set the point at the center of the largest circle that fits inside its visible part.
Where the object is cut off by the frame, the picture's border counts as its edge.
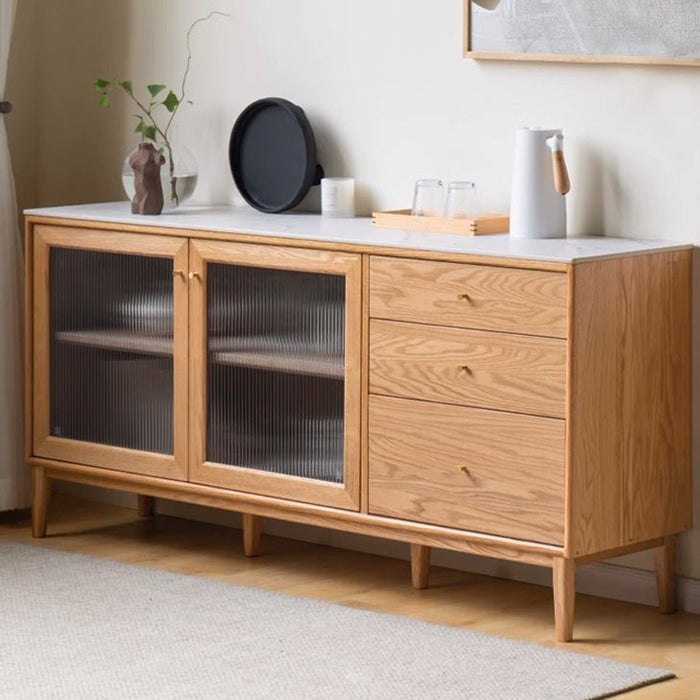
(338, 197)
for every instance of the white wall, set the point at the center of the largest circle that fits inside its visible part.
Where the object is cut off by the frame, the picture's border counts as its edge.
(390, 98)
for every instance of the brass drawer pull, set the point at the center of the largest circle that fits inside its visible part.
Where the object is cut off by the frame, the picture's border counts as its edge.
(464, 297)
(465, 470)
(466, 369)
(194, 275)
(179, 273)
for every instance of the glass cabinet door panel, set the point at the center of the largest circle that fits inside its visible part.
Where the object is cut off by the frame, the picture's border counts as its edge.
(276, 370)
(111, 349)
(109, 340)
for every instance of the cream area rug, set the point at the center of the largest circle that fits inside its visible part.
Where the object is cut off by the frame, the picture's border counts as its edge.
(73, 626)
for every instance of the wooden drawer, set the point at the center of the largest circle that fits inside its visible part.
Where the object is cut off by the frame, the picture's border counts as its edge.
(469, 296)
(467, 468)
(472, 368)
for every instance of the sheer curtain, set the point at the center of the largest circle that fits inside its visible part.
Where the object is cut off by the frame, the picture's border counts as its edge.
(14, 476)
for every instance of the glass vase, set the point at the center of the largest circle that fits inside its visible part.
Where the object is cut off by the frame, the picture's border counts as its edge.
(178, 182)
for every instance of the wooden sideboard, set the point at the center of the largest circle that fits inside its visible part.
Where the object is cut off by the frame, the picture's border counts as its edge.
(524, 400)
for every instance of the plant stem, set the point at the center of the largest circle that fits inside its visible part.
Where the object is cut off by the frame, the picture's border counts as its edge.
(149, 116)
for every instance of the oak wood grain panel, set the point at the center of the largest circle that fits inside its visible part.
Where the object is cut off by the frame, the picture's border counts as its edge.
(524, 374)
(469, 296)
(493, 472)
(201, 470)
(311, 514)
(630, 401)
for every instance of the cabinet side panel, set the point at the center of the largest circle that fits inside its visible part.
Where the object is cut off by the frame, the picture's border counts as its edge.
(629, 401)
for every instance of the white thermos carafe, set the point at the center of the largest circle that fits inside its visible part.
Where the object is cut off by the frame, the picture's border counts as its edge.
(540, 181)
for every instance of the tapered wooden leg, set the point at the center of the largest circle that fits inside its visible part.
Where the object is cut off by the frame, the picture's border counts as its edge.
(665, 561)
(41, 491)
(252, 531)
(146, 506)
(564, 587)
(420, 565)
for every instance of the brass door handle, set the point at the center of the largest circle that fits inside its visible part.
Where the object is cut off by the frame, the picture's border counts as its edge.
(179, 273)
(192, 275)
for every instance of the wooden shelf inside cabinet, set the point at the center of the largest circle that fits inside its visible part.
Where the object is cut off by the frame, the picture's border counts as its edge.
(119, 340)
(271, 354)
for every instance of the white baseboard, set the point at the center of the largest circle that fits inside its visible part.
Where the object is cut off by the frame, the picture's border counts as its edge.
(603, 579)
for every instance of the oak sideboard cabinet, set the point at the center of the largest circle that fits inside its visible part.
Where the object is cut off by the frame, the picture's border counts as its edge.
(523, 400)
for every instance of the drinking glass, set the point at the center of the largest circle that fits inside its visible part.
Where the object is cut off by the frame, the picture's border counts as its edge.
(428, 198)
(462, 201)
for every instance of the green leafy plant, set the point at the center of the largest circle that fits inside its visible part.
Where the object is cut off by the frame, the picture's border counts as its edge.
(156, 114)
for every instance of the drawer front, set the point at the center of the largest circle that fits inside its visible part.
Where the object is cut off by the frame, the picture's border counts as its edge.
(469, 296)
(473, 368)
(466, 468)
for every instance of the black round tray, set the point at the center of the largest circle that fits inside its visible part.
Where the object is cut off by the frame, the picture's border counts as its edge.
(272, 153)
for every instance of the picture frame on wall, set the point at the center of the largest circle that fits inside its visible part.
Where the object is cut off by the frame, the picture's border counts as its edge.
(663, 32)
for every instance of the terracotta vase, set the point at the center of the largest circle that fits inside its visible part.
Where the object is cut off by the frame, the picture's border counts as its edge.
(146, 162)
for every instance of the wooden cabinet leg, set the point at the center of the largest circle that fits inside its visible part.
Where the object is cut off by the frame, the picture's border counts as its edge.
(41, 492)
(564, 587)
(420, 565)
(146, 506)
(252, 531)
(665, 561)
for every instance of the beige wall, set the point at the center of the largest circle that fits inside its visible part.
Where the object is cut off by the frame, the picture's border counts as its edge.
(390, 99)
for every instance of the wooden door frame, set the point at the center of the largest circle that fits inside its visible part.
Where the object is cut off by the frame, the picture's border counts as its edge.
(43, 444)
(203, 252)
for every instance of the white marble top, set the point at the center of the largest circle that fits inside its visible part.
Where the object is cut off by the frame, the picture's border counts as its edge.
(361, 231)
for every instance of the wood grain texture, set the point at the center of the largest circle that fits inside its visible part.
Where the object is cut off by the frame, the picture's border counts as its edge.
(630, 401)
(28, 339)
(471, 368)
(252, 532)
(492, 472)
(99, 238)
(420, 566)
(402, 219)
(201, 470)
(41, 492)
(487, 545)
(364, 391)
(40, 359)
(665, 563)
(620, 551)
(564, 590)
(469, 296)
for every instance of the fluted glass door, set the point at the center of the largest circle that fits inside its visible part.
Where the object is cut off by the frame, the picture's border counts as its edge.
(276, 381)
(110, 341)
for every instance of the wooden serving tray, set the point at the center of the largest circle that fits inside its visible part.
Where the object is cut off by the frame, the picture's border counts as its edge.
(402, 219)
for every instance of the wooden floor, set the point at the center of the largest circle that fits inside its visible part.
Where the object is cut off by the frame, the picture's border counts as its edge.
(622, 631)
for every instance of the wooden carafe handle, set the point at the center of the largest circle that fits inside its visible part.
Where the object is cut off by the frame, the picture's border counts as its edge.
(561, 174)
